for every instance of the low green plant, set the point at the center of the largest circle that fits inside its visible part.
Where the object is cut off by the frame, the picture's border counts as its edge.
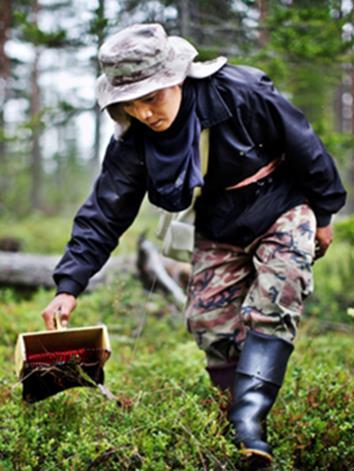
(165, 414)
(333, 275)
(344, 230)
(39, 233)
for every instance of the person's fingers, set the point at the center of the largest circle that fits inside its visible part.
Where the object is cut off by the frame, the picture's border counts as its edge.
(69, 304)
(321, 248)
(60, 308)
(48, 318)
(64, 316)
(62, 313)
(319, 254)
(324, 238)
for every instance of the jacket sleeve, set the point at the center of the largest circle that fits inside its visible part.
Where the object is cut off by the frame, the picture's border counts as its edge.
(108, 212)
(310, 164)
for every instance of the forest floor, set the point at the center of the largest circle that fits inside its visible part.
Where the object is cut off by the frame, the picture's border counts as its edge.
(165, 414)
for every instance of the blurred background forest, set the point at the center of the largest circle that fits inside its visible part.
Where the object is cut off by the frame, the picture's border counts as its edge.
(52, 134)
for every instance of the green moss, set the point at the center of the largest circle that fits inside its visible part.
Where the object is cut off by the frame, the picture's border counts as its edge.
(166, 414)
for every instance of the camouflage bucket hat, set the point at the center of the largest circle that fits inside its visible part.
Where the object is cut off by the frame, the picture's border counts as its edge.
(141, 59)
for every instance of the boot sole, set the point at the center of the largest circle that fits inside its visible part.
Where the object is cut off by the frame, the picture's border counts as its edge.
(252, 452)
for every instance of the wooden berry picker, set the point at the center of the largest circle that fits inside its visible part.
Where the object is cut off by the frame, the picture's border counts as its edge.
(48, 362)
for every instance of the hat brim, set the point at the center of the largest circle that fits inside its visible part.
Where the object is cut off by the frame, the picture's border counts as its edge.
(172, 73)
(200, 70)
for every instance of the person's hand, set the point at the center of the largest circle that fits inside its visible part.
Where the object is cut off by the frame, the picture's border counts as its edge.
(62, 305)
(324, 238)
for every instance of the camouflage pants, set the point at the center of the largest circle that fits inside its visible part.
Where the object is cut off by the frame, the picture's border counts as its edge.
(261, 286)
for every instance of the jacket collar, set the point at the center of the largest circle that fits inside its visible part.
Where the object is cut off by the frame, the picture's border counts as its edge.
(211, 107)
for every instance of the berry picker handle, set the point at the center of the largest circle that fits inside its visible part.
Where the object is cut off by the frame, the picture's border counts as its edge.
(57, 320)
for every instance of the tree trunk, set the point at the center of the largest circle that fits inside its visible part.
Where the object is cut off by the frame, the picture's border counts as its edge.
(344, 108)
(35, 109)
(185, 20)
(24, 270)
(5, 69)
(263, 13)
(97, 112)
(351, 129)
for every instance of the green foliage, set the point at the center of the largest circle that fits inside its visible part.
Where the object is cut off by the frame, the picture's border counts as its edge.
(303, 49)
(334, 274)
(345, 230)
(48, 234)
(318, 404)
(99, 23)
(32, 33)
(308, 32)
(38, 234)
(60, 185)
(166, 414)
(304, 54)
(339, 144)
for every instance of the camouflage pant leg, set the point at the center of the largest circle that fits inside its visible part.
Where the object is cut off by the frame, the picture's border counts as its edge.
(283, 261)
(220, 279)
(266, 282)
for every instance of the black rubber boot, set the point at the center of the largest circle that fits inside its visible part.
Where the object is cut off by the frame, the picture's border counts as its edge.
(223, 377)
(259, 375)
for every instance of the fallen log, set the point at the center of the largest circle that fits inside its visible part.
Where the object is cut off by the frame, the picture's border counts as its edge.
(26, 270)
(30, 271)
(157, 271)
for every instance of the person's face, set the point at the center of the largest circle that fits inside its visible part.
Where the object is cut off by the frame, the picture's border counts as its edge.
(157, 110)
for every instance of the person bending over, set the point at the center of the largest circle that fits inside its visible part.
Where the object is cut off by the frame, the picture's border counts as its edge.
(262, 218)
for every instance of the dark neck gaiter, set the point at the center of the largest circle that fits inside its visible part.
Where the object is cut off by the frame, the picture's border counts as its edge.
(172, 156)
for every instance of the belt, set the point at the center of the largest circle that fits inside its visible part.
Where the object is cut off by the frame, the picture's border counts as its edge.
(261, 173)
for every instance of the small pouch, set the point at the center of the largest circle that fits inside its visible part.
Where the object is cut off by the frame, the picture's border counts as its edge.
(176, 230)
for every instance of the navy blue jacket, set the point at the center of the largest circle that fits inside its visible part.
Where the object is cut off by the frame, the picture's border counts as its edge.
(251, 124)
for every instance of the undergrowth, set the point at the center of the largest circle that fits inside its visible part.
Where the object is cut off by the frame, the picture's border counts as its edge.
(38, 233)
(165, 414)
